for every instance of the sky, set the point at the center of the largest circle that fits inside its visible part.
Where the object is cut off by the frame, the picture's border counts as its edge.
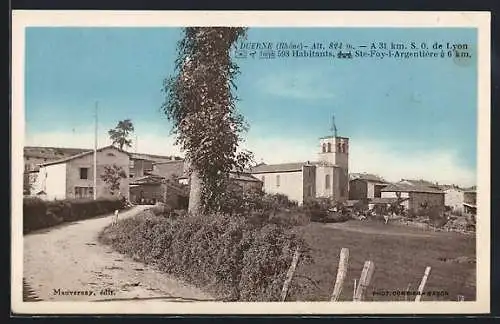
(406, 118)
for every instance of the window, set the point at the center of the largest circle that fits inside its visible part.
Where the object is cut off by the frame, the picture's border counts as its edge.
(327, 181)
(329, 147)
(84, 192)
(148, 166)
(110, 154)
(339, 147)
(131, 163)
(84, 173)
(344, 148)
(324, 148)
(277, 181)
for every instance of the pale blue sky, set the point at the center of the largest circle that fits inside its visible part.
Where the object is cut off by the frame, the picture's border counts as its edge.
(415, 109)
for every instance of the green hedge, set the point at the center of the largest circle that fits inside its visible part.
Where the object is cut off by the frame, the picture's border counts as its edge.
(228, 255)
(38, 213)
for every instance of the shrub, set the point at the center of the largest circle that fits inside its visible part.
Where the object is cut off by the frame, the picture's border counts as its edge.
(288, 218)
(35, 215)
(317, 209)
(277, 201)
(240, 259)
(38, 214)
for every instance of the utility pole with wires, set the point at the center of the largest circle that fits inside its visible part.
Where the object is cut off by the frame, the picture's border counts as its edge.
(95, 154)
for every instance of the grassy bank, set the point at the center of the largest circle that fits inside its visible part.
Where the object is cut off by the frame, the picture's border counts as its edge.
(400, 256)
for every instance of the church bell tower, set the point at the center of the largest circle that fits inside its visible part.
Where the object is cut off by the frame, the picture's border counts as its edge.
(334, 152)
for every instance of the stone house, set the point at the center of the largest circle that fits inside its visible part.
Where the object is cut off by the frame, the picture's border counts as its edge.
(453, 197)
(325, 178)
(169, 169)
(73, 177)
(365, 186)
(143, 164)
(154, 188)
(416, 194)
(470, 201)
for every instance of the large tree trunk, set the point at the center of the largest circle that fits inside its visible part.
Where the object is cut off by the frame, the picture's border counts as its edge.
(194, 193)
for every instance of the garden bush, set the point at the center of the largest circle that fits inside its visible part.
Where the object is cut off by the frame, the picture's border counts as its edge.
(38, 213)
(232, 256)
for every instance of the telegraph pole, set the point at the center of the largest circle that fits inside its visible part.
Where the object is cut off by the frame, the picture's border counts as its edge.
(95, 154)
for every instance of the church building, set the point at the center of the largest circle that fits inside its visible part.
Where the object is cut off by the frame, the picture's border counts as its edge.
(327, 177)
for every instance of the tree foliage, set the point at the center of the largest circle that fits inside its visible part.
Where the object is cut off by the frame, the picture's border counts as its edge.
(120, 134)
(200, 102)
(112, 176)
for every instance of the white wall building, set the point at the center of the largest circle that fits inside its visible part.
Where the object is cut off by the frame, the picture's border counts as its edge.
(73, 177)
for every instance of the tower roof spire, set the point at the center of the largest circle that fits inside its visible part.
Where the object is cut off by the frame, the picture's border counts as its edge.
(333, 128)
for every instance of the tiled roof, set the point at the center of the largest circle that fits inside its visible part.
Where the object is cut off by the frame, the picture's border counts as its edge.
(420, 183)
(367, 177)
(405, 187)
(147, 179)
(283, 167)
(243, 177)
(153, 157)
(76, 156)
(169, 162)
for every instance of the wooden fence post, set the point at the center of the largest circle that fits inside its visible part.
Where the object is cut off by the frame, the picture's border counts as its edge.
(354, 291)
(407, 291)
(341, 273)
(290, 273)
(422, 284)
(364, 280)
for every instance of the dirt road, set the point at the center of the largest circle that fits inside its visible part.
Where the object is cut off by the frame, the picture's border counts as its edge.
(67, 263)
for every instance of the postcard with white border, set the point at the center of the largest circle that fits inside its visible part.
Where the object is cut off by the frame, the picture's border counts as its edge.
(214, 162)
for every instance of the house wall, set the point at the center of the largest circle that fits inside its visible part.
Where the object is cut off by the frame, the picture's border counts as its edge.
(454, 198)
(147, 191)
(140, 167)
(309, 188)
(358, 189)
(470, 198)
(291, 184)
(321, 188)
(121, 159)
(392, 194)
(52, 180)
(31, 163)
(248, 185)
(432, 199)
(169, 169)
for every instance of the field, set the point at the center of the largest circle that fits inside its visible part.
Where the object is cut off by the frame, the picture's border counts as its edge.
(400, 255)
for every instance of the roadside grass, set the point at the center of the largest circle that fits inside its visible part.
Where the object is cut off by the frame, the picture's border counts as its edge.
(399, 260)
